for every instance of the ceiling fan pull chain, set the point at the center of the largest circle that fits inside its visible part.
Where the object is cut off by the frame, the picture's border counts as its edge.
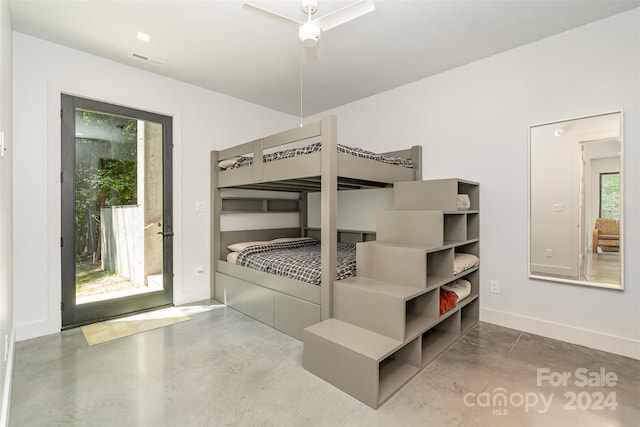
(301, 56)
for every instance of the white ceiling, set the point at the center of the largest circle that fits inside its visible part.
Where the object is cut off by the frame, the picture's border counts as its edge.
(220, 45)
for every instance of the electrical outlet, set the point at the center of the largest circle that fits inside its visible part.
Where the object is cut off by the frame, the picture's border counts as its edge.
(494, 287)
(548, 253)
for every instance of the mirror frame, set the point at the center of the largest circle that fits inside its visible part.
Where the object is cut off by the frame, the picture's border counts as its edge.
(560, 279)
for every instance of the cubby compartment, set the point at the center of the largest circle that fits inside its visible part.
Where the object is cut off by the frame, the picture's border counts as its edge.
(282, 205)
(469, 314)
(398, 368)
(438, 194)
(474, 278)
(438, 338)
(469, 248)
(455, 228)
(421, 312)
(232, 205)
(344, 236)
(473, 226)
(464, 265)
(243, 205)
(439, 267)
(351, 236)
(472, 190)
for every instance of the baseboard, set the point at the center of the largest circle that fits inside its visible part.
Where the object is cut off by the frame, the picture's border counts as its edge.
(8, 378)
(40, 328)
(606, 342)
(192, 296)
(44, 327)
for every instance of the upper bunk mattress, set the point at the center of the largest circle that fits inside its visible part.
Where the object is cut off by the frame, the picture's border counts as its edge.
(314, 148)
(298, 260)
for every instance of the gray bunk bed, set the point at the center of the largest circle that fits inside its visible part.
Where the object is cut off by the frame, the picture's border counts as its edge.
(287, 304)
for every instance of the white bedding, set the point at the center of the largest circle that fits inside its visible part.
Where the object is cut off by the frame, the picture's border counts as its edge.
(463, 261)
(236, 162)
(232, 257)
(460, 287)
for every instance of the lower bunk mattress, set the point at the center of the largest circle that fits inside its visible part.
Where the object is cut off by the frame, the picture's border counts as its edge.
(296, 258)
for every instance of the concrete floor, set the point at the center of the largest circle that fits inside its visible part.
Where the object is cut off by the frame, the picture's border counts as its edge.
(222, 368)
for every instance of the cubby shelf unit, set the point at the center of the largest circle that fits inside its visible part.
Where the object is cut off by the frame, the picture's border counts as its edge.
(386, 323)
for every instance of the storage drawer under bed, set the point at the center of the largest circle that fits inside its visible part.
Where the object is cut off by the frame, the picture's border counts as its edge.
(286, 313)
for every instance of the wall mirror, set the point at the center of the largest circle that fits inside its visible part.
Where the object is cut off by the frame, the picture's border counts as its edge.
(575, 201)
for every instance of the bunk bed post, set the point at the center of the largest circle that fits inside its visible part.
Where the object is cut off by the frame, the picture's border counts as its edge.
(302, 208)
(416, 158)
(328, 209)
(215, 207)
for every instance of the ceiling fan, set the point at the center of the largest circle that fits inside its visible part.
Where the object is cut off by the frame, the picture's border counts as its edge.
(309, 32)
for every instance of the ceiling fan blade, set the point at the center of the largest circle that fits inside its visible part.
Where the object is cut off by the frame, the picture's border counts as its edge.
(345, 14)
(273, 16)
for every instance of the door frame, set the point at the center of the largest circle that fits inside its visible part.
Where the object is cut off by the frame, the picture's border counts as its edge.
(74, 315)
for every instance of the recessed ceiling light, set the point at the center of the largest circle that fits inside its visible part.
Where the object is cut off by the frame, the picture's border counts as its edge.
(144, 37)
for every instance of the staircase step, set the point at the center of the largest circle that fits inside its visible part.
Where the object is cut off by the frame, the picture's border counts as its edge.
(369, 344)
(438, 194)
(350, 358)
(393, 290)
(376, 306)
(414, 227)
(392, 262)
(389, 309)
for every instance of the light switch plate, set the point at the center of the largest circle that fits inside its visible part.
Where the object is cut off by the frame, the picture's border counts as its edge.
(494, 286)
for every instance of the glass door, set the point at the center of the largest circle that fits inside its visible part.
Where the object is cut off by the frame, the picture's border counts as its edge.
(116, 211)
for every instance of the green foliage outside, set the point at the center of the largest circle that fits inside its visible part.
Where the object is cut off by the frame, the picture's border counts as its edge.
(610, 195)
(106, 173)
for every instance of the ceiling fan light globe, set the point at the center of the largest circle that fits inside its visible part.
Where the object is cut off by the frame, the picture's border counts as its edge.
(309, 34)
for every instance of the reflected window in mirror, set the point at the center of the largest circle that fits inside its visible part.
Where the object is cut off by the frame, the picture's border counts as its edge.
(575, 201)
(610, 195)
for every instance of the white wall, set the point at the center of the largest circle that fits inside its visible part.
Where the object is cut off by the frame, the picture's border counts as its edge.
(202, 121)
(7, 336)
(473, 123)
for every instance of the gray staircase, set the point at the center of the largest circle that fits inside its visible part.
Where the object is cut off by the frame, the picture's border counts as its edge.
(386, 323)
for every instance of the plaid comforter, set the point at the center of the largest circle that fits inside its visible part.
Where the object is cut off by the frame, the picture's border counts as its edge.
(313, 148)
(297, 260)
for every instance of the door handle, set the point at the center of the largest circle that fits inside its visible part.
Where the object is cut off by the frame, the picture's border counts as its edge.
(166, 233)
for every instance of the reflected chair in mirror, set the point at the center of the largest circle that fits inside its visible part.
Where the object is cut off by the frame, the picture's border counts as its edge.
(606, 235)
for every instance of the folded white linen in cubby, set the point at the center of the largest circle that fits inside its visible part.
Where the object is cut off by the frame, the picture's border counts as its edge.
(461, 287)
